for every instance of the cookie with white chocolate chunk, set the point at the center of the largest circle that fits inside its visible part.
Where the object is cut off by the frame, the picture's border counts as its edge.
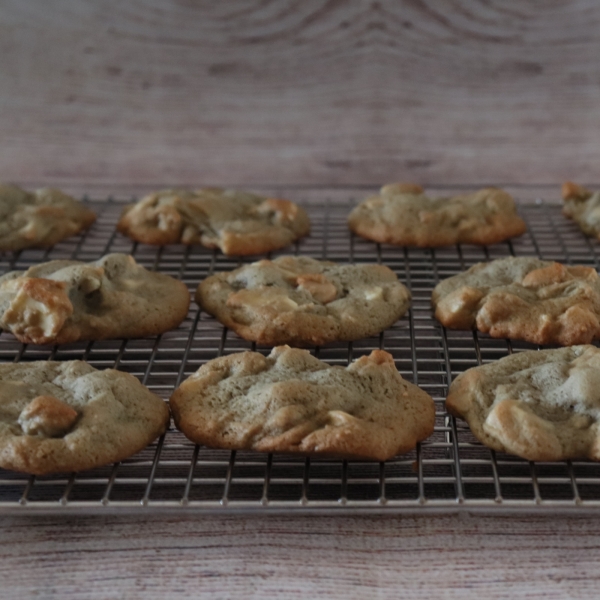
(66, 416)
(303, 301)
(523, 298)
(64, 301)
(402, 214)
(239, 223)
(540, 405)
(583, 206)
(39, 219)
(291, 401)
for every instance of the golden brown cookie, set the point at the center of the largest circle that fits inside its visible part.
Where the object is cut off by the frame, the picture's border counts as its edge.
(238, 223)
(292, 402)
(403, 215)
(39, 219)
(303, 301)
(583, 207)
(538, 405)
(64, 301)
(61, 417)
(524, 298)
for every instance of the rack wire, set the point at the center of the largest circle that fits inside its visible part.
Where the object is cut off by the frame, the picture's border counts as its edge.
(450, 471)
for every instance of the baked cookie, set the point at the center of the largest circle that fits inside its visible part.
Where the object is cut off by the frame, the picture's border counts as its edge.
(583, 207)
(67, 416)
(291, 401)
(538, 405)
(403, 215)
(39, 219)
(64, 301)
(303, 301)
(538, 301)
(238, 223)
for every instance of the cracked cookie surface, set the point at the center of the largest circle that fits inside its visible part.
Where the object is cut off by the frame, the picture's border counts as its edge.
(64, 301)
(292, 402)
(239, 223)
(540, 405)
(523, 298)
(401, 214)
(303, 301)
(583, 206)
(66, 416)
(39, 219)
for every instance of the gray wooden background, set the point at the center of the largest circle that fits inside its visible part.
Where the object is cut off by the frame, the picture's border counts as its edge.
(118, 96)
(113, 95)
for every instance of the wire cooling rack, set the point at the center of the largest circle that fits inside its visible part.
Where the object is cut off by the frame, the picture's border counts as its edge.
(448, 472)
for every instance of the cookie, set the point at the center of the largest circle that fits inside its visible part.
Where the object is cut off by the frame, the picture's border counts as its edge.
(67, 416)
(538, 405)
(292, 402)
(583, 207)
(303, 301)
(39, 219)
(524, 298)
(64, 301)
(238, 223)
(403, 215)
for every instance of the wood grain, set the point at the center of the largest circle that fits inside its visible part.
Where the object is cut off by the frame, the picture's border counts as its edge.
(360, 557)
(163, 92)
(120, 97)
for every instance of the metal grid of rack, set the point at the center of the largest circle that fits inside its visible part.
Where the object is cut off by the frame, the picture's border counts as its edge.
(450, 471)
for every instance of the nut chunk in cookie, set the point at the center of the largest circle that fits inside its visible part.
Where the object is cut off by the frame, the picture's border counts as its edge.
(523, 298)
(39, 219)
(67, 416)
(540, 405)
(303, 301)
(403, 215)
(66, 300)
(238, 223)
(583, 206)
(292, 402)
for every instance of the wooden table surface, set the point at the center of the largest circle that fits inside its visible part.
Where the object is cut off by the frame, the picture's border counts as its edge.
(108, 96)
(458, 556)
(173, 92)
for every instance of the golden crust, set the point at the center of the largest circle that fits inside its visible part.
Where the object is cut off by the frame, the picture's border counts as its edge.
(38, 310)
(48, 416)
(523, 298)
(574, 191)
(238, 223)
(402, 215)
(292, 402)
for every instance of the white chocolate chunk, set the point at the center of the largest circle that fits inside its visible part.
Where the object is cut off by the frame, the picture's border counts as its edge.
(318, 286)
(47, 416)
(374, 293)
(38, 310)
(264, 296)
